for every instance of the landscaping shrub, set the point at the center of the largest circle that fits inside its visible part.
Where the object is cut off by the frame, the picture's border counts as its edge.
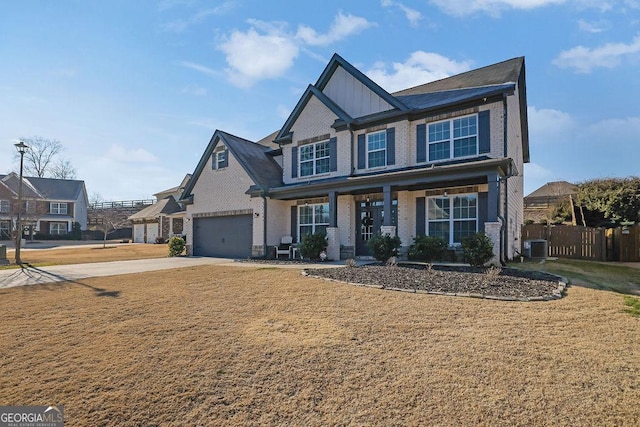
(427, 248)
(477, 249)
(177, 246)
(312, 245)
(383, 247)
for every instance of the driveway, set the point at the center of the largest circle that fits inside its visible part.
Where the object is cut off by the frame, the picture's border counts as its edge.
(67, 273)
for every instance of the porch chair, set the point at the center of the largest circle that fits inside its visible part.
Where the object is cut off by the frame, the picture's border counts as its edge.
(284, 248)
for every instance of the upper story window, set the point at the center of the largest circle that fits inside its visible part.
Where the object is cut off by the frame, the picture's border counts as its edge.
(58, 208)
(221, 159)
(452, 217)
(376, 149)
(4, 206)
(314, 158)
(453, 138)
(30, 206)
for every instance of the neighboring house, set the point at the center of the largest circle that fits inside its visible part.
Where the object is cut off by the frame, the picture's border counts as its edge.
(444, 159)
(164, 219)
(50, 206)
(541, 204)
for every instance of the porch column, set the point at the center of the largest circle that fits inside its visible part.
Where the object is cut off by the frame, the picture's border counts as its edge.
(493, 197)
(492, 226)
(333, 233)
(386, 191)
(333, 209)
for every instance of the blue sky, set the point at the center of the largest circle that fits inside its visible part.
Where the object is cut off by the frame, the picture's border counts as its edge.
(135, 89)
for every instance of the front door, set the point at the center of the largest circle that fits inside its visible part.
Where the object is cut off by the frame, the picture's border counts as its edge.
(370, 217)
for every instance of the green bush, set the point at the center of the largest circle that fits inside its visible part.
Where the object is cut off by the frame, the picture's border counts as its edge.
(312, 244)
(177, 246)
(427, 248)
(383, 247)
(477, 249)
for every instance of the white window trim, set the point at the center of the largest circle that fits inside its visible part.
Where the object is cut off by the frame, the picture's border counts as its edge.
(451, 218)
(6, 203)
(219, 160)
(314, 159)
(452, 139)
(64, 226)
(313, 224)
(57, 210)
(384, 150)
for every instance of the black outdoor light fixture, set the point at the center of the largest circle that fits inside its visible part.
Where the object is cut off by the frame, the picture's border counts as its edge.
(22, 148)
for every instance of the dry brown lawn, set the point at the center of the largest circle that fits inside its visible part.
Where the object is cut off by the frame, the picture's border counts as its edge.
(83, 254)
(266, 346)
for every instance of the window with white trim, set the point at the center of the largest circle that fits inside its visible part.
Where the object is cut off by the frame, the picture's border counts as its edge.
(57, 228)
(221, 159)
(30, 206)
(453, 138)
(4, 206)
(452, 217)
(313, 219)
(314, 158)
(58, 208)
(376, 149)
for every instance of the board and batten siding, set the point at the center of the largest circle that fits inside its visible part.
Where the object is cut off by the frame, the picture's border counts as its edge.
(352, 96)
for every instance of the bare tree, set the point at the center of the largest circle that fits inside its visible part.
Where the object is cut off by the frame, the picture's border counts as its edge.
(42, 159)
(63, 170)
(105, 219)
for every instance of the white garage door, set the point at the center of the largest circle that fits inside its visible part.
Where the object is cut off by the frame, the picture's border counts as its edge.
(138, 233)
(152, 233)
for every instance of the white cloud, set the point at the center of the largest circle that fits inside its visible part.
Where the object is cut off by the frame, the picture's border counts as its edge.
(412, 15)
(252, 56)
(491, 7)
(180, 25)
(200, 68)
(283, 111)
(194, 90)
(342, 27)
(610, 55)
(548, 126)
(118, 153)
(592, 27)
(421, 67)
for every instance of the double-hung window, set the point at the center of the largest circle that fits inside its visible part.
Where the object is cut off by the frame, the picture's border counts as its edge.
(313, 219)
(453, 138)
(57, 228)
(4, 206)
(58, 208)
(221, 159)
(376, 149)
(314, 159)
(452, 217)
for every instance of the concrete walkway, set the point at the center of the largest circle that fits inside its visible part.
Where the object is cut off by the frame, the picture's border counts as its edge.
(73, 272)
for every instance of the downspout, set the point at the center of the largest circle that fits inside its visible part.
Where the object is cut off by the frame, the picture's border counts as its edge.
(353, 169)
(264, 222)
(505, 225)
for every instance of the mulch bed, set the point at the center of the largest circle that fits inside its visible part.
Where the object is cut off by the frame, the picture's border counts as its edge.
(504, 284)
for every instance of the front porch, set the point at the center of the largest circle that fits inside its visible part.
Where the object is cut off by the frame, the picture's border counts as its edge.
(352, 211)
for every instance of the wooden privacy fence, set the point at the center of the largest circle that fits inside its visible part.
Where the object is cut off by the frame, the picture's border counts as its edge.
(588, 243)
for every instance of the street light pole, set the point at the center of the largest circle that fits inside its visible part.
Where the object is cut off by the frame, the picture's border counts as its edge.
(22, 148)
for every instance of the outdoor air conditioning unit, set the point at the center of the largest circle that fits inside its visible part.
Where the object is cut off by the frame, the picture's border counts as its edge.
(536, 249)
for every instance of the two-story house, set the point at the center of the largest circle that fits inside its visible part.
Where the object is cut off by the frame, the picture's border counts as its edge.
(50, 206)
(443, 159)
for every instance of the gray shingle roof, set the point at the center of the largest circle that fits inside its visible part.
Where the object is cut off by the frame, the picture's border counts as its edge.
(161, 207)
(253, 157)
(447, 97)
(496, 74)
(48, 188)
